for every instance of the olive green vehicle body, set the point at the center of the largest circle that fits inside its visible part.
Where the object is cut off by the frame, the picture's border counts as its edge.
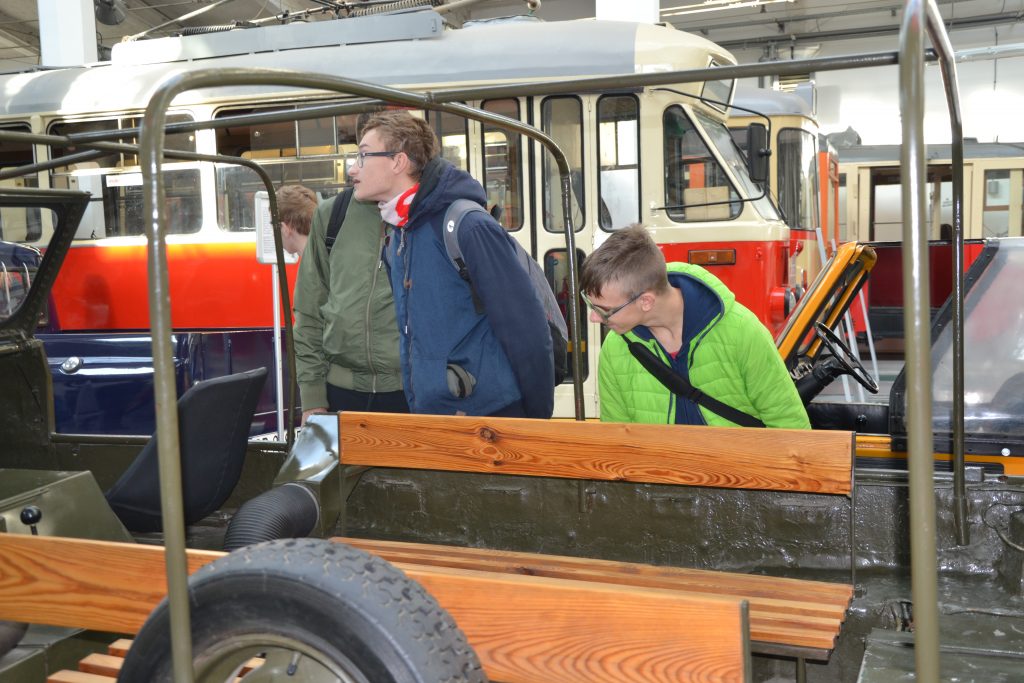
(803, 535)
(981, 587)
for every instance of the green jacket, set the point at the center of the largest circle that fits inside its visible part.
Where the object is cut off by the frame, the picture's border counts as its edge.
(345, 330)
(731, 358)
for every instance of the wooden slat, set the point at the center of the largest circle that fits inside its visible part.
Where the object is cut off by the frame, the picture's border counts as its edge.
(78, 677)
(523, 562)
(538, 629)
(117, 652)
(771, 459)
(783, 611)
(89, 584)
(101, 664)
(525, 629)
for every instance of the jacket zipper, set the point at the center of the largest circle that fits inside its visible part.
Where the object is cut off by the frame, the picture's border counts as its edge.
(369, 303)
(406, 265)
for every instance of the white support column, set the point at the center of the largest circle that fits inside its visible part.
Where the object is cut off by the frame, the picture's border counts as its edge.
(644, 11)
(67, 32)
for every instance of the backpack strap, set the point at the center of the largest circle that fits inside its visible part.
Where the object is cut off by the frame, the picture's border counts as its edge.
(457, 210)
(680, 386)
(338, 211)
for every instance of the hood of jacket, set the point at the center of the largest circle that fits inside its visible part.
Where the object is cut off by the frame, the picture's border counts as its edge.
(441, 183)
(707, 301)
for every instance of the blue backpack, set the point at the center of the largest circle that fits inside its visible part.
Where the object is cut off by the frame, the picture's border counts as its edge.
(458, 210)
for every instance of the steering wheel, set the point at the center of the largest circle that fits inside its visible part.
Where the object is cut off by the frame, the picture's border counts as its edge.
(844, 357)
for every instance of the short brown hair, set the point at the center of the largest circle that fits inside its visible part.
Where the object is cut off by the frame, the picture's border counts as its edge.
(295, 206)
(400, 131)
(628, 257)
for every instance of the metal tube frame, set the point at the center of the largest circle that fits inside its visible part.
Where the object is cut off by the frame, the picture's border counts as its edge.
(597, 84)
(916, 325)
(151, 142)
(947, 64)
(911, 57)
(100, 148)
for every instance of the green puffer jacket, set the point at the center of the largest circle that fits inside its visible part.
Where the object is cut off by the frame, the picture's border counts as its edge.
(345, 329)
(732, 359)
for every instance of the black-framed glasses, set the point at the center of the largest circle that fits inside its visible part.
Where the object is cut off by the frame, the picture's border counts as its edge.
(606, 313)
(361, 156)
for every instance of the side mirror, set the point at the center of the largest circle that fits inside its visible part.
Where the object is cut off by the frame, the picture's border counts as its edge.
(758, 152)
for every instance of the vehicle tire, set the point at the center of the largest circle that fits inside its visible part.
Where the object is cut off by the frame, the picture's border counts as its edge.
(316, 611)
(11, 633)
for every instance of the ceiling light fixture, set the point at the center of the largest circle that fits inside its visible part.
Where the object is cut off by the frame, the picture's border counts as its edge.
(109, 12)
(714, 5)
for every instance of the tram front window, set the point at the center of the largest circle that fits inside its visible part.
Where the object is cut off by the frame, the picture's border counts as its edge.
(722, 141)
(796, 166)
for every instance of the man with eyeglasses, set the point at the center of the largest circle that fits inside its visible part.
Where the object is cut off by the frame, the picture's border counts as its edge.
(691, 322)
(480, 347)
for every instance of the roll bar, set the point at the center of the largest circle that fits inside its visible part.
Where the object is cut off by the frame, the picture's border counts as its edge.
(151, 142)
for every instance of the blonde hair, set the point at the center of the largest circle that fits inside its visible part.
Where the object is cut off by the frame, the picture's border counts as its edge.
(295, 206)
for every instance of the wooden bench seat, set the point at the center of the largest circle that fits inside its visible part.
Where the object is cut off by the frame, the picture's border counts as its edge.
(783, 612)
(791, 617)
(525, 629)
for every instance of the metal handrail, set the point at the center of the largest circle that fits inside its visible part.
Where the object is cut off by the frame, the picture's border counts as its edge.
(99, 148)
(916, 323)
(947, 64)
(151, 142)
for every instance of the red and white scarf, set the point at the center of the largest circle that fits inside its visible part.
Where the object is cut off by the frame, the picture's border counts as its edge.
(396, 211)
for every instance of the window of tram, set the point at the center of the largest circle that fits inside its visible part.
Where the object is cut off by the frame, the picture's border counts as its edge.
(451, 131)
(562, 119)
(19, 224)
(886, 219)
(1004, 198)
(618, 151)
(115, 182)
(796, 166)
(503, 159)
(312, 152)
(556, 270)
(696, 187)
(843, 231)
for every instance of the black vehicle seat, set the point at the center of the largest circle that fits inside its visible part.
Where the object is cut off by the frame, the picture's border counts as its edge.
(866, 418)
(214, 418)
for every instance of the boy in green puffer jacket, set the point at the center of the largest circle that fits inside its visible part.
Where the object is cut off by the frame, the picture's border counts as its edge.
(691, 321)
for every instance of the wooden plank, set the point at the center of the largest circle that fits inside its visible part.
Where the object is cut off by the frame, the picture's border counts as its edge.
(783, 611)
(524, 562)
(78, 677)
(119, 648)
(538, 629)
(771, 459)
(89, 584)
(101, 664)
(525, 629)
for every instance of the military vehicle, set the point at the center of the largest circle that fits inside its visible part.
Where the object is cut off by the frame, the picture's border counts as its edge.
(65, 562)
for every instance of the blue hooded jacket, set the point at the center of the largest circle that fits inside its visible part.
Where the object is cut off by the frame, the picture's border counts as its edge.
(506, 350)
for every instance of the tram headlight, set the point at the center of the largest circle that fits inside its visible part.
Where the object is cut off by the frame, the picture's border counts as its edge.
(781, 303)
